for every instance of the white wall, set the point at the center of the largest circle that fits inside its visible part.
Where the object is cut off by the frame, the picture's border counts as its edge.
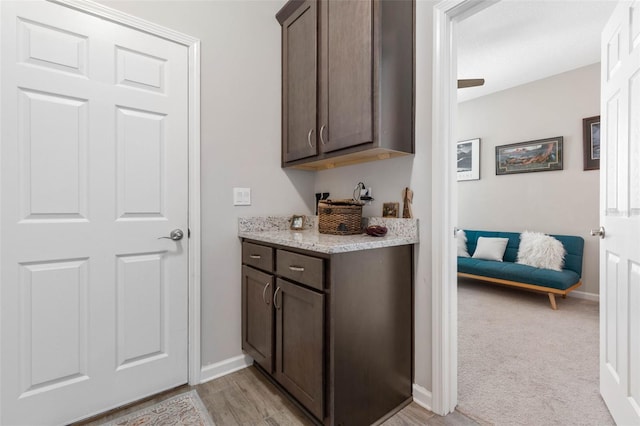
(556, 202)
(241, 147)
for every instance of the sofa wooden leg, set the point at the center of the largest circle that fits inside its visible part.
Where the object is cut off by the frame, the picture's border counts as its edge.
(552, 299)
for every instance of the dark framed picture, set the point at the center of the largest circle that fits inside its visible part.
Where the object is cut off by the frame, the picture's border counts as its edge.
(297, 222)
(469, 159)
(390, 209)
(533, 156)
(591, 142)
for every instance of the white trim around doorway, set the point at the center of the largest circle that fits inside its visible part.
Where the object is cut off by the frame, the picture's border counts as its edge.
(193, 45)
(444, 201)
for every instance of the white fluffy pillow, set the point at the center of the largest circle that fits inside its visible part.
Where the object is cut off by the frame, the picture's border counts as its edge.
(462, 244)
(490, 248)
(541, 251)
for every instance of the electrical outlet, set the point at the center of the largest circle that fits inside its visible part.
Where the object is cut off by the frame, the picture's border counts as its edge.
(241, 196)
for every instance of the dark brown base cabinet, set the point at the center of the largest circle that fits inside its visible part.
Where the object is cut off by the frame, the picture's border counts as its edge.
(335, 332)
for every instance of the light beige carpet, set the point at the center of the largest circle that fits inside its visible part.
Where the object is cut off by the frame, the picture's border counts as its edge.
(185, 409)
(522, 363)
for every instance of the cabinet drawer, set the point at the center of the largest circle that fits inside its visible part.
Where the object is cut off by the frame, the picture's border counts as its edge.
(300, 268)
(259, 256)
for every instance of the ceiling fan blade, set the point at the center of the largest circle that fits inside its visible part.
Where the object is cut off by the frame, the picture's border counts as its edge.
(472, 82)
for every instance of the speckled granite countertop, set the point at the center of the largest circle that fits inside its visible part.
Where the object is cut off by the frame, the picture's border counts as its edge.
(275, 230)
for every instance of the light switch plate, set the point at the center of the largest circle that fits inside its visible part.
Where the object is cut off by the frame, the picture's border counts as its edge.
(241, 196)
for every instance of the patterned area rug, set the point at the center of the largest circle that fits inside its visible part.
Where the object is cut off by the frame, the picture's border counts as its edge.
(185, 409)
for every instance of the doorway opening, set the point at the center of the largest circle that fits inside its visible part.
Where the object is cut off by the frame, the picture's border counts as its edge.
(445, 365)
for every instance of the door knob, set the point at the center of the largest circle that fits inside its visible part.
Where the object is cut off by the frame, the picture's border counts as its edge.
(598, 232)
(175, 235)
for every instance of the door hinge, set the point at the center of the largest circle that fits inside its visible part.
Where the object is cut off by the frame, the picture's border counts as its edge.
(188, 232)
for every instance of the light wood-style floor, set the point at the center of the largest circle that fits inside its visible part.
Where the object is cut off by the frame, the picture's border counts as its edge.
(246, 397)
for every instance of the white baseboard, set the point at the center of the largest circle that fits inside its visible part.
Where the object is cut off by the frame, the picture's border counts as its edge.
(422, 397)
(584, 295)
(222, 368)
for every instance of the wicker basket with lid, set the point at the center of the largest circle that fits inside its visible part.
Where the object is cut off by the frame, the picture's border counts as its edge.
(340, 217)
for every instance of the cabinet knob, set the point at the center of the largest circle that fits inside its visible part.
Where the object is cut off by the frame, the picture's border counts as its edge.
(309, 138)
(296, 268)
(275, 296)
(264, 293)
(321, 138)
(255, 256)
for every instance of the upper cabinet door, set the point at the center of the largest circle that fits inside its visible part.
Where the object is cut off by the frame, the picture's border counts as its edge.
(346, 76)
(299, 77)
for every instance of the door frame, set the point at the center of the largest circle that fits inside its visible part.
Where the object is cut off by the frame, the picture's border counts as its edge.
(444, 300)
(194, 253)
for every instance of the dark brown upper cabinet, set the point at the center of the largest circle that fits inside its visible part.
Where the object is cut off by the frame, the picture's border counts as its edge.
(299, 71)
(347, 81)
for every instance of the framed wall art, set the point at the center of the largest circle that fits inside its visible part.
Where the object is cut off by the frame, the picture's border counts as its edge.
(469, 160)
(297, 222)
(390, 209)
(532, 156)
(591, 142)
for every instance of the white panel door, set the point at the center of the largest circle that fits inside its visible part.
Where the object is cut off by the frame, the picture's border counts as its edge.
(620, 215)
(93, 170)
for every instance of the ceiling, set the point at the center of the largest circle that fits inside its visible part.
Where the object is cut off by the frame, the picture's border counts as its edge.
(514, 42)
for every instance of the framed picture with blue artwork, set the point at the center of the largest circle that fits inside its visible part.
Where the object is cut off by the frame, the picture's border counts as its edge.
(591, 142)
(533, 156)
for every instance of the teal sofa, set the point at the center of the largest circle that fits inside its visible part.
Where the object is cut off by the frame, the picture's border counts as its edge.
(510, 273)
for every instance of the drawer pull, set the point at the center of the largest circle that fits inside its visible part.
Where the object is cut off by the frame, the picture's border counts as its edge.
(275, 295)
(296, 268)
(255, 256)
(264, 293)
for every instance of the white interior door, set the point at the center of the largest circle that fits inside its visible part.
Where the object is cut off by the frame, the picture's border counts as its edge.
(620, 215)
(93, 169)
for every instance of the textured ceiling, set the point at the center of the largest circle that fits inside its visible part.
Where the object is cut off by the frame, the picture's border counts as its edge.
(514, 42)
